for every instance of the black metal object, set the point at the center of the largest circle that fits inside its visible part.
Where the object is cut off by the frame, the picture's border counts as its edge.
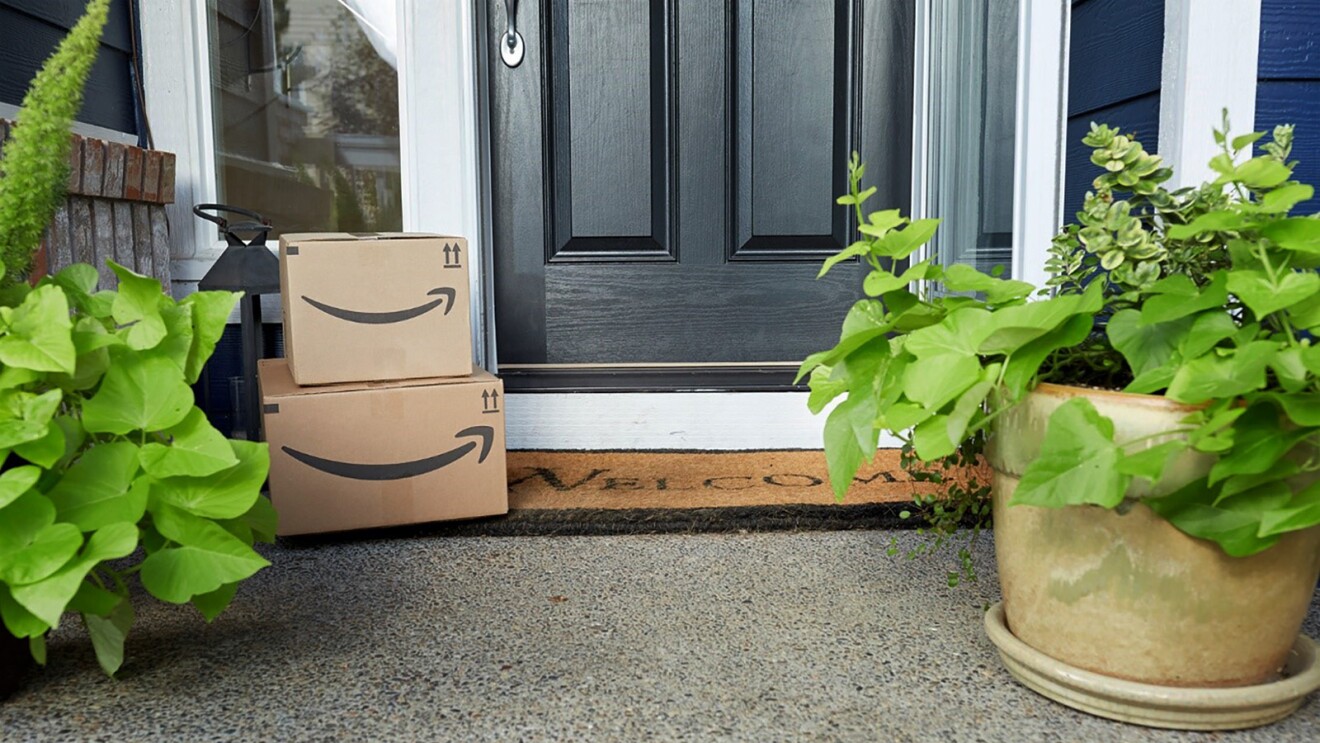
(248, 267)
(732, 378)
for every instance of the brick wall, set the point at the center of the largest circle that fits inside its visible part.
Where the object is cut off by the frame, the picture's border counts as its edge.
(114, 209)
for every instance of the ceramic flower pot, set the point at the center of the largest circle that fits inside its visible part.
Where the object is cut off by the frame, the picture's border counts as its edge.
(1128, 595)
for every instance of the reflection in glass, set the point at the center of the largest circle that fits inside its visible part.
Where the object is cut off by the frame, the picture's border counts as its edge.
(306, 112)
(973, 94)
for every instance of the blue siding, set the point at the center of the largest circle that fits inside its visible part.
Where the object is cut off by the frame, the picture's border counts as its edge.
(1139, 116)
(31, 29)
(1114, 68)
(1289, 72)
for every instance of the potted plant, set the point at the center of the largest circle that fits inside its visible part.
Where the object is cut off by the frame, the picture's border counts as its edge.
(1151, 422)
(110, 472)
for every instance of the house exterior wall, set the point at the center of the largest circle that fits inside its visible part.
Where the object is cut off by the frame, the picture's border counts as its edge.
(1114, 68)
(31, 29)
(114, 209)
(1288, 90)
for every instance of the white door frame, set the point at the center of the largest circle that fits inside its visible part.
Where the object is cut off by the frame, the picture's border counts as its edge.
(1041, 127)
(444, 149)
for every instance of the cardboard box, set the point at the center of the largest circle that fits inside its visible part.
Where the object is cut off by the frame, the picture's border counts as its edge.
(358, 455)
(375, 307)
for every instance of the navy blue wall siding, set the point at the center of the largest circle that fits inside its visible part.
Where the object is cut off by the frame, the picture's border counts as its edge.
(31, 29)
(1114, 67)
(1289, 72)
(212, 392)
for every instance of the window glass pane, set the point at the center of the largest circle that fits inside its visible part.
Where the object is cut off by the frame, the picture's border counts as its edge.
(305, 101)
(973, 89)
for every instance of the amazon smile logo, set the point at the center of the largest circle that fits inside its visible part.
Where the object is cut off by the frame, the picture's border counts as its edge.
(445, 294)
(400, 470)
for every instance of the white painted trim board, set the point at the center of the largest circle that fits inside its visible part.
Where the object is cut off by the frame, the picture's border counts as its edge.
(1211, 52)
(668, 420)
(439, 135)
(1042, 104)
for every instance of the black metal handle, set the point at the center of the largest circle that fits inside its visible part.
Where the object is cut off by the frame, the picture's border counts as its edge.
(511, 12)
(261, 226)
(511, 45)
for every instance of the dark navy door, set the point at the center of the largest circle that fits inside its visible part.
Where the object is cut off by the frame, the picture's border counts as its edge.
(664, 174)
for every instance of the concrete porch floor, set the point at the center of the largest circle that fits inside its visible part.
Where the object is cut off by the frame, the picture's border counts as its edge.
(780, 636)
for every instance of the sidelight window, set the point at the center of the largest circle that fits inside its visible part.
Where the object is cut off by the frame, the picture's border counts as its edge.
(304, 101)
(970, 84)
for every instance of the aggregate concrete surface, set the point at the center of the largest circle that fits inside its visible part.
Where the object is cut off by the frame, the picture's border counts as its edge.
(759, 637)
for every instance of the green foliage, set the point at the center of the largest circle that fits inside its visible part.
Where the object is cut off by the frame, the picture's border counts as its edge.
(107, 468)
(955, 516)
(1206, 295)
(106, 453)
(35, 163)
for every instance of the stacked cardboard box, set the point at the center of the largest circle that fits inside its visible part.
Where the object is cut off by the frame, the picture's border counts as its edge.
(376, 416)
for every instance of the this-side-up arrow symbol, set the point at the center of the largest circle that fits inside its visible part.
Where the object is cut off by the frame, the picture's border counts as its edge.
(454, 252)
(490, 401)
(400, 470)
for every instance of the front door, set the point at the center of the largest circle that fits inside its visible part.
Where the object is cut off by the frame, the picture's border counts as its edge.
(663, 178)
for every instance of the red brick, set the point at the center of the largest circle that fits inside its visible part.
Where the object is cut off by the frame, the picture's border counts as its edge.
(112, 186)
(167, 178)
(93, 166)
(75, 165)
(151, 177)
(133, 160)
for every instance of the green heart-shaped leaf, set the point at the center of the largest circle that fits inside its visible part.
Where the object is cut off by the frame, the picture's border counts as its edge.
(138, 394)
(48, 598)
(45, 451)
(178, 340)
(137, 306)
(40, 333)
(207, 558)
(222, 495)
(15, 482)
(213, 603)
(96, 490)
(196, 450)
(108, 633)
(210, 313)
(50, 549)
(1078, 461)
(1263, 296)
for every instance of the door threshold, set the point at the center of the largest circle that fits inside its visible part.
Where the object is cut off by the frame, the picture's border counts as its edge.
(651, 378)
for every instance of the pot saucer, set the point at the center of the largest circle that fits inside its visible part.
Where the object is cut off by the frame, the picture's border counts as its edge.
(1158, 706)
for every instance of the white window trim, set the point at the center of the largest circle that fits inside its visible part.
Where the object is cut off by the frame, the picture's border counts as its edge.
(1041, 126)
(1211, 53)
(176, 78)
(10, 111)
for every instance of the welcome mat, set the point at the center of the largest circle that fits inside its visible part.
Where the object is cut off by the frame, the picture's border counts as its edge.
(648, 492)
(622, 480)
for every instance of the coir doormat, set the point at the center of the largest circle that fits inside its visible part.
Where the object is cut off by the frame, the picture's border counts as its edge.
(623, 480)
(630, 492)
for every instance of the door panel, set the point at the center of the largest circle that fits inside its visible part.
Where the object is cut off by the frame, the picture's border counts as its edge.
(609, 133)
(793, 99)
(664, 173)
